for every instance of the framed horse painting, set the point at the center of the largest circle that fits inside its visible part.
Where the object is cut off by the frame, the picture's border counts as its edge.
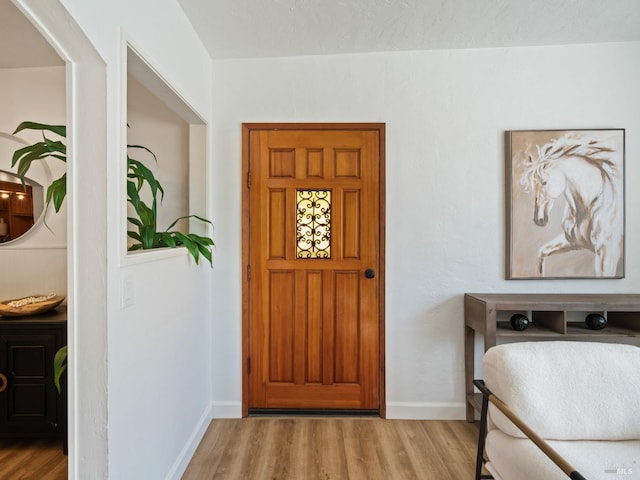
(565, 203)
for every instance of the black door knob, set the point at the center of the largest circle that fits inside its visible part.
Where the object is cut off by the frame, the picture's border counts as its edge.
(369, 273)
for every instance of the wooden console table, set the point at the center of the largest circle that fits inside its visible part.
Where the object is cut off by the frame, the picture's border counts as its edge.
(488, 314)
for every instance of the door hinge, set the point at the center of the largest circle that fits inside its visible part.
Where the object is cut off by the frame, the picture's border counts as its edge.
(248, 179)
(248, 273)
(248, 365)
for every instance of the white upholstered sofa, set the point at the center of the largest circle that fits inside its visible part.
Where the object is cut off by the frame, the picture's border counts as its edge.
(581, 398)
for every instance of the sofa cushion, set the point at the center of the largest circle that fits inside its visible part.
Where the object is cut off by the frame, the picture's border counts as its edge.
(567, 390)
(519, 459)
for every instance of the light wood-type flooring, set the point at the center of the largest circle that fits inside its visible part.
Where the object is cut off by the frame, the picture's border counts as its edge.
(334, 448)
(296, 448)
(32, 460)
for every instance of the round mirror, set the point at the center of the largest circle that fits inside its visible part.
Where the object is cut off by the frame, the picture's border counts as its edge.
(21, 206)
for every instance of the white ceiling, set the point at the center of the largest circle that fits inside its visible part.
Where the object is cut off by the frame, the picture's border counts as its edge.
(275, 28)
(267, 28)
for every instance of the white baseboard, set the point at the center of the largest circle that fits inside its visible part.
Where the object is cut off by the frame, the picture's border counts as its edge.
(182, 462)
(395, 410)
(227, 409)
(426, 411)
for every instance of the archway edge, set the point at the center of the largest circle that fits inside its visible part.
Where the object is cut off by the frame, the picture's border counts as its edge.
(87, 235)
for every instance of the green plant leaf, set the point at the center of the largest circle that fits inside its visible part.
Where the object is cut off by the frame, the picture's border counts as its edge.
(59, 366)
(57, 191)
(174, 223)
(187, 216)
(190, 244)
(203, 240)
(134, 221)
(167, 239)
(37, 151)
(148, 235)
(205, 251)
(147, 215)
(142, 147)
(56, 146)
(24, 157)
(202, 219)
(57, 129)
(134, 235)
(142, 174)
(205, 245)
(133, 196)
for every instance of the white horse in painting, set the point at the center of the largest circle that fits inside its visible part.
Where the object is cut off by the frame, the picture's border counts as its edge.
(585, 175)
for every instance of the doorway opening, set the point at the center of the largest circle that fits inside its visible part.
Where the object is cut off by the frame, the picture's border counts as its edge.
(85, 247)
(313, 248)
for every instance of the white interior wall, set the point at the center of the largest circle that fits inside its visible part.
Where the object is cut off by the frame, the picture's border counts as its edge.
(36, 262)
(445, 114)
(159, 368)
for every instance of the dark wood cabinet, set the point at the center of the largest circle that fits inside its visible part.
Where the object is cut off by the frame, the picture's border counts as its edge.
(30, 405)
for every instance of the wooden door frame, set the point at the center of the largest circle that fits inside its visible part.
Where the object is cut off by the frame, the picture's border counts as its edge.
(247, 128)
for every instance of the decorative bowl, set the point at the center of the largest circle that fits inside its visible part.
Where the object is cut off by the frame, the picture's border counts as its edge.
(7, 310)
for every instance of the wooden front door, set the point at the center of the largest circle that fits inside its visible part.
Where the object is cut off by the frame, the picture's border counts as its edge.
(313, 245)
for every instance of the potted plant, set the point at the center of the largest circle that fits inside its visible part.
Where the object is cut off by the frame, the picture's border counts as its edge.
(147, 234)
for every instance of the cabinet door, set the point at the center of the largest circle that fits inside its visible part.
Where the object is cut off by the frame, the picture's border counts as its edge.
(22, 205)
(29, 405)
